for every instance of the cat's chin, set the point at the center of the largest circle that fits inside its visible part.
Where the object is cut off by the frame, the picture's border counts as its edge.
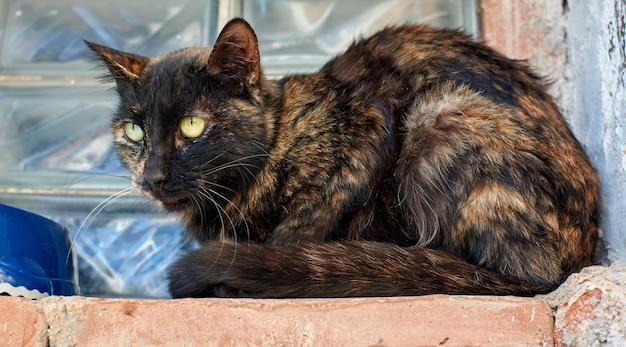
(174, 204)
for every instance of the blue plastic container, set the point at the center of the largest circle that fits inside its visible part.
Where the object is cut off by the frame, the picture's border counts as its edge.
(36, 257)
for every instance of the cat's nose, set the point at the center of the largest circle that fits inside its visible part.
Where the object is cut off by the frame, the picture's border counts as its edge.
(154, 179)
(154, 174)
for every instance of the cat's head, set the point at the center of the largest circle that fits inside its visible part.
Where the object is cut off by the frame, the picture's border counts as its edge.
(192, 126)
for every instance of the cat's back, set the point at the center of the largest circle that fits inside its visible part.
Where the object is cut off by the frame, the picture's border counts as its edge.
(420, 55)
(418, 66)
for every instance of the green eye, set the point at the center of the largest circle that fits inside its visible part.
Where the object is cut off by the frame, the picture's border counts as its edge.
(192, 127)
(133, 131)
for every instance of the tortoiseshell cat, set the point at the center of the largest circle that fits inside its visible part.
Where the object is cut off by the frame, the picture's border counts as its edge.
(417, 162)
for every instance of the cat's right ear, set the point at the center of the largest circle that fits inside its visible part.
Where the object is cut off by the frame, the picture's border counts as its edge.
(236, 53)
(124, 67)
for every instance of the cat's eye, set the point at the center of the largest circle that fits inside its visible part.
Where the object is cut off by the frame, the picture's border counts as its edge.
(192, 127)
(133, 131)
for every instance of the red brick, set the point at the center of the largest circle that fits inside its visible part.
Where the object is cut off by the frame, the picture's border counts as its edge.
(20, 323)
(583, 308)
(505, 27)
(532, 30)
(430, 320)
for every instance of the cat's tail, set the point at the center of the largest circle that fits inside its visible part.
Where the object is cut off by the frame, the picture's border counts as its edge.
(335, 269)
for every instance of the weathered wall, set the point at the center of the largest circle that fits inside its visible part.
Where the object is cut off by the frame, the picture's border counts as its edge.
(596, 63)
(589, 307)
(531, 30)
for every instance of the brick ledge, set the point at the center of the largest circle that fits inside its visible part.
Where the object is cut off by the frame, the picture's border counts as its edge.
(429, 320)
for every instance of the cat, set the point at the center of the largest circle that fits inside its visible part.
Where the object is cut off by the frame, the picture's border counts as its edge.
(417, 162)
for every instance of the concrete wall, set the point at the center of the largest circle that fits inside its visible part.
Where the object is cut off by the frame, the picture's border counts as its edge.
(596, 68)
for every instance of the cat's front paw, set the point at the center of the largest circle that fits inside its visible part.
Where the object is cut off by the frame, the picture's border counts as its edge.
(198, 275)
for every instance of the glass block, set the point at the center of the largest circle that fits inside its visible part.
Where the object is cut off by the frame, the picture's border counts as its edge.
(125, 254)
(48, 35)
(297, 36)
(58, 138)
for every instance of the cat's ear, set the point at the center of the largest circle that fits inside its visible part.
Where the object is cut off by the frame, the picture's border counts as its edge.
(124, 67)
(236, 53)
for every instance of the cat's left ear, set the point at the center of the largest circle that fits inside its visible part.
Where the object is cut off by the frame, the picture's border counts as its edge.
(236, 53)
(124, 67)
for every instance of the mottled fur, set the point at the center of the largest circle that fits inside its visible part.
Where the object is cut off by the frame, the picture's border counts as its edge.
(416, 162)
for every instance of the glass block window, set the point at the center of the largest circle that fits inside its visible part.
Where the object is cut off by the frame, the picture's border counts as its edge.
(56, 150)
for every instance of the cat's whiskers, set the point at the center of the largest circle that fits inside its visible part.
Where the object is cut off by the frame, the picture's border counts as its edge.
(86, 223)
(195, 200)
(241, 214)
(220, 210)
(242, 172)
(225, 152)
(223, 237)
(260, 146)
(245, 170)
(204, 181)
(102, 205)
(215, 158)
(236, 162)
